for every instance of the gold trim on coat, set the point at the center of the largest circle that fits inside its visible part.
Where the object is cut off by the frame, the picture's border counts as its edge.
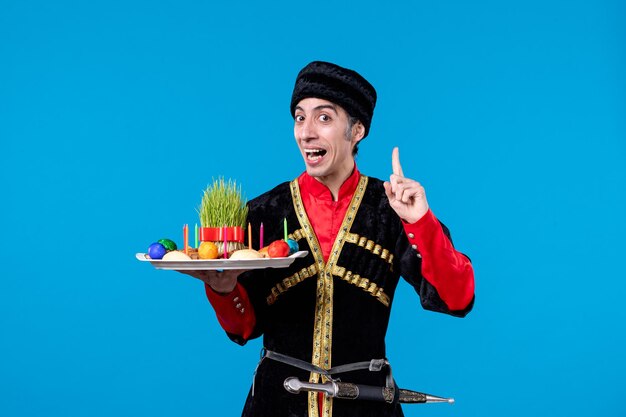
(362, 282)
(371, 246)
(289, 282)
(296, 235)
(323, 324)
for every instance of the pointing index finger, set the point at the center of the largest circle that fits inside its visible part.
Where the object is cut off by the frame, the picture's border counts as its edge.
(395, 162)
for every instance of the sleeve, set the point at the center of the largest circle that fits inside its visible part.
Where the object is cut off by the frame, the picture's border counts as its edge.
(443, 277)
(234, 312)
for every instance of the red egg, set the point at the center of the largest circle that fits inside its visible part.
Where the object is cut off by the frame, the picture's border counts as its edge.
(278, 249)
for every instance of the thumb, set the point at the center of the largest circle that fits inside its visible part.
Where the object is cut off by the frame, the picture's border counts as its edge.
(388, 192)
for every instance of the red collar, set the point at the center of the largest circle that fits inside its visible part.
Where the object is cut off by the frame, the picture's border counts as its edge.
(311, 186)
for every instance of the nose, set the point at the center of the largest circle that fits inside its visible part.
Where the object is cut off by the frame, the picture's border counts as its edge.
(305, 130)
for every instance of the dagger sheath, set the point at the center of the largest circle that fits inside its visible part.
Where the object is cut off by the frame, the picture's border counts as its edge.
(348, 391)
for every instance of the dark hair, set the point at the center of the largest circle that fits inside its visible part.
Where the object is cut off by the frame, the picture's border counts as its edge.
(351, 122)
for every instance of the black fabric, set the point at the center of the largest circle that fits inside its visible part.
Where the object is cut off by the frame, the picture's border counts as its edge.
(339, 85)
(359, 319)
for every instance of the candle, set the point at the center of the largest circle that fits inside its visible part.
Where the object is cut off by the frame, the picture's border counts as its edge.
(196, 235)
(261, 237)
(225, 244)
(186, 237)
(249, 236)
(285, 228)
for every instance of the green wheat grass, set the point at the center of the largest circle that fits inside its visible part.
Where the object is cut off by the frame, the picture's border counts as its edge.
(223, 205)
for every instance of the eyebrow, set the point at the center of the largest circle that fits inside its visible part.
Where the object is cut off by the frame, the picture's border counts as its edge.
(320, 107)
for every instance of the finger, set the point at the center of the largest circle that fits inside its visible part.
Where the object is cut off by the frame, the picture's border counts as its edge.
(409, 194)
(393, 182)
(419, 195)
(388, 190)
(400, 187)
(408, 191)
(396, 182)
(395, 162)
(192, 273)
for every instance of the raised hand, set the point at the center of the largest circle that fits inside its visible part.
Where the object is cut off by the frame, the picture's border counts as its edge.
(406, 196)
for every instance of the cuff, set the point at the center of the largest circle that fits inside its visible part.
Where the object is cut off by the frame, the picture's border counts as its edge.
(418, 232)
(225, 303)
(233, 310)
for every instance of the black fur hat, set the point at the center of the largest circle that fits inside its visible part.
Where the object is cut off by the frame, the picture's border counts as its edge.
(339, 85)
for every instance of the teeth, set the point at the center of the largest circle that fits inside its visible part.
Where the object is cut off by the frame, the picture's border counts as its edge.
(314, 155)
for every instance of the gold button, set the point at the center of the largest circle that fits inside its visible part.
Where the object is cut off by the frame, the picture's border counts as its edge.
(411, 235)
(414, 247)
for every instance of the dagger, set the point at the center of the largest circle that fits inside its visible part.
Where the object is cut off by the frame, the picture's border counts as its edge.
(348, 391)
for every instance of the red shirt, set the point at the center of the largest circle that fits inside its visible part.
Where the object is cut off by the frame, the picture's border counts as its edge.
(325, 214)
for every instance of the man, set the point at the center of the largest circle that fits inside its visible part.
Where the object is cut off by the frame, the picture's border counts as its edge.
(332, 307)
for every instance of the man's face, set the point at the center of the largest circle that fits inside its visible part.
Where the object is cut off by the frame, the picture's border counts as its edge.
(320, 131)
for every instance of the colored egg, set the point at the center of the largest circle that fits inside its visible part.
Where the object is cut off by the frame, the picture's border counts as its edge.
(156, 250)
(293, 246)
(278, 249)
(176, 256)
(168, 244)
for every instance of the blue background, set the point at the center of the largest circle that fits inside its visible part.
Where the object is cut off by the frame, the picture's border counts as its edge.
(115, 115)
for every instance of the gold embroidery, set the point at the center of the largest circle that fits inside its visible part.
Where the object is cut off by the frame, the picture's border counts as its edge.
(371, 246)
(323, 325)
(296, 235)
(316, 251)
(289, 282)
(355, 279)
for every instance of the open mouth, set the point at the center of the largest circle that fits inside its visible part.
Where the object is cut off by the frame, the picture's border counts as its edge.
(315, 154)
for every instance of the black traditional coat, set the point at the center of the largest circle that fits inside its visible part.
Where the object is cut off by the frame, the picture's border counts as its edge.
(330, 313)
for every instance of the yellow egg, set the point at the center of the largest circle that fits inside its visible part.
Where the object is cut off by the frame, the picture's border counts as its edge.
(207, 250)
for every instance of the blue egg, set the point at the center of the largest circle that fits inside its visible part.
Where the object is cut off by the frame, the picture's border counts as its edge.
(293, 246)
(156, 250)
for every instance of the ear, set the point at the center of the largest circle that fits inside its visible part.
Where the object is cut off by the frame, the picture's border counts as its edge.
(358, 131)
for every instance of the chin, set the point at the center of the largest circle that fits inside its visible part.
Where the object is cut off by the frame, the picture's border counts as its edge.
(314, 171)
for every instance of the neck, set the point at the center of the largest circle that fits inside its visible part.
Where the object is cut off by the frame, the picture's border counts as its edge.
(335, 181)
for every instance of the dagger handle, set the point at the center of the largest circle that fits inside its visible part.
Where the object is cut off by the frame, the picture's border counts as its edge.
(294, 386)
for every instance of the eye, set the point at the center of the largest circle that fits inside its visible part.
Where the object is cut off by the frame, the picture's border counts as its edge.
(324, 118)
(299, 118)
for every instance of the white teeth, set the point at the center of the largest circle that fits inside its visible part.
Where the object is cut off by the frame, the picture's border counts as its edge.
(314, 154)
